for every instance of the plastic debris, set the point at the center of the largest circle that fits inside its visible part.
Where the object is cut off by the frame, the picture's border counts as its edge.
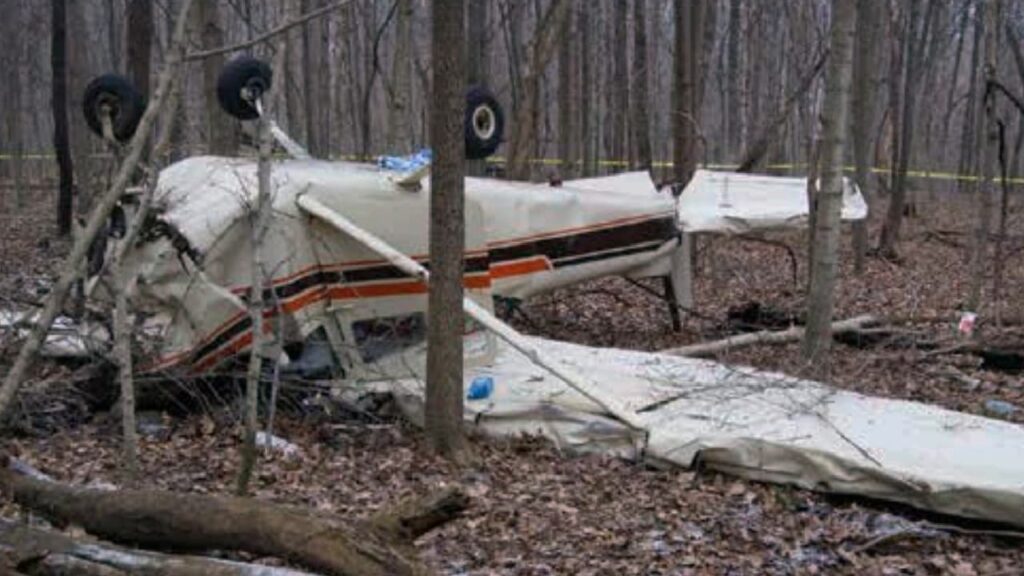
(276, 443)
(408, 163)
(1000, 408)
(968, 320)
(480, 388)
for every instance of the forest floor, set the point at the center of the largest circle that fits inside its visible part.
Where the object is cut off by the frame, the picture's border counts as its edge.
(536, 510)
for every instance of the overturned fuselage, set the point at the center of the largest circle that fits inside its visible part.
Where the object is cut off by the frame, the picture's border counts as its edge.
(190, 275)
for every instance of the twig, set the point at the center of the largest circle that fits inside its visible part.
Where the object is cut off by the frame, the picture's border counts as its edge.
(691, 311)
(888, 539)
(265, 36)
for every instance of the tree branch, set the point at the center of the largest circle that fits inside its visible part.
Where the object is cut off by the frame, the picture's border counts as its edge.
(267, 35)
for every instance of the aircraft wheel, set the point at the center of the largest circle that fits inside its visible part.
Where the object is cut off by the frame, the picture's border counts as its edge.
(484, 123)
(240, 82)
(114, 95)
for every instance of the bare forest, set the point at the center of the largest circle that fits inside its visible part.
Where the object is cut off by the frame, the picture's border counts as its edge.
(512, 287)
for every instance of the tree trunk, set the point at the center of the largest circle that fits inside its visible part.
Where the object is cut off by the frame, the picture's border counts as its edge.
(566, 103)
(759, 146)
(140, 42)
(834, 118)
(865, 80)
(968, 133)
(223, 137)
(686, 93)
(985, 131)
(294, 71)
(732, 113)
(641, 79)
(259, 224)
(620, 81)
(196, 522)
(913, 42)
(767, 337)
(586, 137)
(47, 553)
(314, 80)
(123, 358)
(59, 103)
(477, 61)
(447, 231)
(399, 137)
(140, 46)
(542, 48)
(15, 115)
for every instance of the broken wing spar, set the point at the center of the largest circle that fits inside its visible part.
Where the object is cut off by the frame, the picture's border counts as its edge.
(575, 380)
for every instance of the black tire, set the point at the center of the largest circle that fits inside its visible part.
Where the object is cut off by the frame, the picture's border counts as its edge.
(484, 123)
(238, 75)
(118, 95)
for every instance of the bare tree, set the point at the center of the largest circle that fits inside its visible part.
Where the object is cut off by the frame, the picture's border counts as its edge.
(542, 48)
(477, 63)
(399, 136)
(620, 81)
(829, 199)
(733, 111)
(915, 36)
(315, 81)
(688, 85)
(865, 82)
(586, 133)
(140, 42)
(221, 130)
(14, 111)
(985, 133)
(567, 109)
(259, 222)
(641, 78)
(59, 106)
(447, 231)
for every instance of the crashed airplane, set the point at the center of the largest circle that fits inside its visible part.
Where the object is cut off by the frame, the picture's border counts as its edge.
(346, 252)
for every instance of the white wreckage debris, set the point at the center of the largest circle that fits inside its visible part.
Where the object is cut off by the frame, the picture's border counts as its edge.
(66, 339)
(757, 425)
(522, 239)
(345, 265)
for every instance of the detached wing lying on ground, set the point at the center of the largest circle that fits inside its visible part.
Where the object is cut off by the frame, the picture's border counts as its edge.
(761, 426)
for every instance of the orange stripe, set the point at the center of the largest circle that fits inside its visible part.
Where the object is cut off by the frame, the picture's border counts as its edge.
(240, 342)
(520, 267)
(341, 265)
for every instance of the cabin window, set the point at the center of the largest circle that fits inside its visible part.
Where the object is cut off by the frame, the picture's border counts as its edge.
(379, 337)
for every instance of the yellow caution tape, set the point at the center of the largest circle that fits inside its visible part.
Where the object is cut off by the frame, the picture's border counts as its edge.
(612, 163)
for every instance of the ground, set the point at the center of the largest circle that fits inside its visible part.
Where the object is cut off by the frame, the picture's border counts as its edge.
(538, 511)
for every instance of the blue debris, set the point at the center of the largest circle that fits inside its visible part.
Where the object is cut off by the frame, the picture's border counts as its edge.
(408, 163)
(480, 388)
(1000, 408)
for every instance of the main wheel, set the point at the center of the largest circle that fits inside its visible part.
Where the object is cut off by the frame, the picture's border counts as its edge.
(114, 95)
(484, 123)
(241, 81)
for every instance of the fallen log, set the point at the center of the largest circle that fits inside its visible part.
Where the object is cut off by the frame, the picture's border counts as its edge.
(768, 337)
(196, 522)
(26, 550)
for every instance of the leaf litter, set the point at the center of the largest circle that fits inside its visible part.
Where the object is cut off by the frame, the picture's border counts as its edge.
(536, 510)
